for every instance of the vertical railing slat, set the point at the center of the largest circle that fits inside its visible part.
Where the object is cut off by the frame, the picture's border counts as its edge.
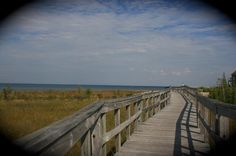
(104, 129)
(118, 136)
(147, 110)
(86, 144)
(140, 107)
(127, 118)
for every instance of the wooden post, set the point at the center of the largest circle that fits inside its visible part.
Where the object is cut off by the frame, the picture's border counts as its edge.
(104, 129)
(200, 113)
(151, 106)
(135, 111)
(165, 98)
(169, 96)
(155, 105)
(217, 124)
(161, 104)
(96, 138)
(206, 117)
(224, 127)
(147, 111)
(140, 108)
(158, 102)
(197, 110)
(118, 136)
(127, 118)
(86, 144)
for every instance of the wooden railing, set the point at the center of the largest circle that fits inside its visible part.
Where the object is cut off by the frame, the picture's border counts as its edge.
(88, 126)
(217, 120)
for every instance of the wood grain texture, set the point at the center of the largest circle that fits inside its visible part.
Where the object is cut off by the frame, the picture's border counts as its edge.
(172, 131)
(89, 127)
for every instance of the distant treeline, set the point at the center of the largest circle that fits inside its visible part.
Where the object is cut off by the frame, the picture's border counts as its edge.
(224, 91)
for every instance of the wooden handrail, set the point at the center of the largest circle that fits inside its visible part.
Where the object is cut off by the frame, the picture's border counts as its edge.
(89, 125)
(213, 116)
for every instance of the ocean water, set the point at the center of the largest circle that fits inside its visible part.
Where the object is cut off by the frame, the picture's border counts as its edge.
(22, 86)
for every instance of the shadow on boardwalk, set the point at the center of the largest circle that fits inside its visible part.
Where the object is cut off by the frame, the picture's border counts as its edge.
(187, 124)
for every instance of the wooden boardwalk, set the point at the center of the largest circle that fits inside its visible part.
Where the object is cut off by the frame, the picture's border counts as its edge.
(172, 131)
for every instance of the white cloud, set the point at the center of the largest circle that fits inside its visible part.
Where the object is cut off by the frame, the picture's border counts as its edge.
(152, 44)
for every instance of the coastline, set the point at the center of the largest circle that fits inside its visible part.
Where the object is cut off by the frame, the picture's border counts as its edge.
(41, 87)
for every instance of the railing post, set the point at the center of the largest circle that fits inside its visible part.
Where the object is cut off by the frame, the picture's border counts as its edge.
(147, 109)
(118, 136)
(217, 124)
(155, 105)
(224, 127)
(200, 113)
(104, 129)
(135, 111)
(86, 144)
(162, 103)
(197, 110)
(140, 108)
(166, 98)
(127, 118)
(151, 106)
(158, 102)
(97, 138)
(206, 117)
(169, 96)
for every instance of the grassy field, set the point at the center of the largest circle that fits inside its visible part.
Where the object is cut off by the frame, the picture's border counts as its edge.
(23, 112)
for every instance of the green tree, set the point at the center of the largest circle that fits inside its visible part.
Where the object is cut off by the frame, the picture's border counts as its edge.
(223, 91)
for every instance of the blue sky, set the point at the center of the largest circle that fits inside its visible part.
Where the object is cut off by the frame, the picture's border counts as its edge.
(117, 42)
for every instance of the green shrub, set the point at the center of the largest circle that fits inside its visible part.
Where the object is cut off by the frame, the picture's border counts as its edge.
(88, 93)
(7, 91)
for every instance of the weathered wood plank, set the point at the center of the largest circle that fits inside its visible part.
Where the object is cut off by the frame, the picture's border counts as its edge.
(128, 118)
(160, 134)
(118, 135)
(85, 144)
(104, 130)
(86, 125)
(69, 130)
(119, 128)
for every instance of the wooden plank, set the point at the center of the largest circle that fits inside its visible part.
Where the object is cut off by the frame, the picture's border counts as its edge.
(60, 136)
(208, 129)
(157, 135)
(140, 107)
(86, 144)
(224, 109)
(147, 103)
(96, 138)
(104, 130)
(118, 136)
(128, 118)
(136, 111)
(119, 128)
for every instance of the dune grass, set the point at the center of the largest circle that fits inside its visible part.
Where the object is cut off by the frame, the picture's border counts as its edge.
(23, 112)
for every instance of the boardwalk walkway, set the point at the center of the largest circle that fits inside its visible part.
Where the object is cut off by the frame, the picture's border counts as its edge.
(173, 131)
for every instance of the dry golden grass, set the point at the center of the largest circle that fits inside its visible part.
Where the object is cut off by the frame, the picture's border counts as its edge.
(27, 111)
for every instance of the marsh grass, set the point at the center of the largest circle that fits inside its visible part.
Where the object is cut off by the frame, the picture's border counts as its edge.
(26, 111)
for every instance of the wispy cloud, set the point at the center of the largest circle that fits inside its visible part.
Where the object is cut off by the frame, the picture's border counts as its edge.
(116, 42)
